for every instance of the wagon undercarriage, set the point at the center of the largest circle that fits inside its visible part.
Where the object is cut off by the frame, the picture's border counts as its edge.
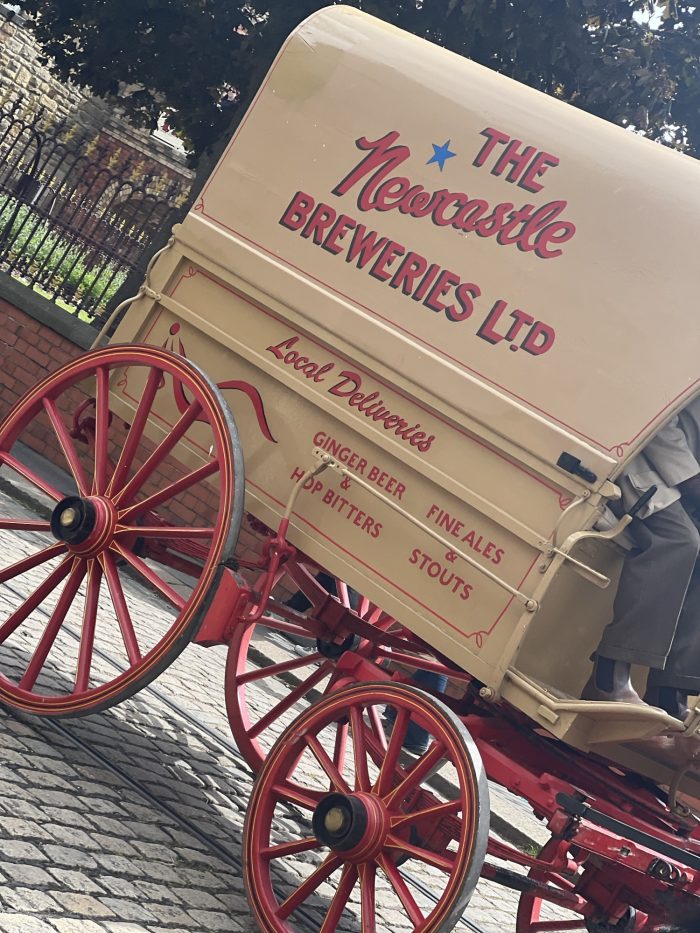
(328, 740)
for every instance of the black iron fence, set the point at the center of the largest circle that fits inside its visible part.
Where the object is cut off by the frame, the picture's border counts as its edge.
(77, 216)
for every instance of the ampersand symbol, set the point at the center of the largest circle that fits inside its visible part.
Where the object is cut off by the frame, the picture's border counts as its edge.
(451, 556)
(345, 483)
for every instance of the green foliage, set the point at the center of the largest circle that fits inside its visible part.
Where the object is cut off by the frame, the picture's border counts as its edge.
(58, 264)
(599, 55)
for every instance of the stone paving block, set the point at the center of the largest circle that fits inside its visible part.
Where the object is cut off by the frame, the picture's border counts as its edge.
(24, 851)
(76, 881)
(118, 864)
(25, 874)
(100, 805)
(113, 844)
(121, 927)
(74, 925)
(67, 817)
(84, 904)
(22, 809)
(210, 920)
(119, 887)
(51, 764)
(23, 829)
(91, 788)
(156, 852)
(169, 914)
(56, 798)
(28, 900)
(201, 879)
(38, 778)
(23, 923)
(193, 897)
(69, 836)
(71, 857)
(150, 833)
(128, 910)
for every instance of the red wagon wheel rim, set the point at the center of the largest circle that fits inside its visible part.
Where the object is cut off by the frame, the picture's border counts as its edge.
(529, 917)
(112, 517)
(251, 679)
(363, 811)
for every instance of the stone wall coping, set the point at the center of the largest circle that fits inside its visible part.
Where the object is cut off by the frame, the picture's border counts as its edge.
(46, 312)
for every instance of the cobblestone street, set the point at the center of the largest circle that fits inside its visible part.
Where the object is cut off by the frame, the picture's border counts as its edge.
(131, 819)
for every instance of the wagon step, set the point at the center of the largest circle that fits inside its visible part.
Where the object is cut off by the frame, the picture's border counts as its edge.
(575, 807)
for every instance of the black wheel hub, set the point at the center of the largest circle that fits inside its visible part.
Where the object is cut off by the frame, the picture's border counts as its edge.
(73, 520)
(339, 822)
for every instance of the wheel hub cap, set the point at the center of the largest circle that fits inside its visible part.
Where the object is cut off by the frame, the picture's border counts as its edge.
(85, 524)
(354, 824)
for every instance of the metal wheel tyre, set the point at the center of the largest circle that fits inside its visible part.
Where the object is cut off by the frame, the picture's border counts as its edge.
(264, 694)
(79, 631)
(338, 828)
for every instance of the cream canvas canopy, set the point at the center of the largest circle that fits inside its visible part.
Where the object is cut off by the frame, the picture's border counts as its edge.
(479, 300)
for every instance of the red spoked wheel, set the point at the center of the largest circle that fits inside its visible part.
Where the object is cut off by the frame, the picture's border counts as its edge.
(95, 594)
(535, 913)
(338, 829)
(274, 670)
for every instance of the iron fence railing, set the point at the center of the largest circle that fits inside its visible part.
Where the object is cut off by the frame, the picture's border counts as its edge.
(76, 219)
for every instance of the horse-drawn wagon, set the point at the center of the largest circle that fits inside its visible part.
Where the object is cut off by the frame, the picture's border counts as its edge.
(442, 311)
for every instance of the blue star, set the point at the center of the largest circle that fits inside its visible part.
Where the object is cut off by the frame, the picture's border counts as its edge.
(441, 154)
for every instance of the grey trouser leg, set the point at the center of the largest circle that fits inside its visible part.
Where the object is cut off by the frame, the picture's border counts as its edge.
(653, 585)
(682, 669)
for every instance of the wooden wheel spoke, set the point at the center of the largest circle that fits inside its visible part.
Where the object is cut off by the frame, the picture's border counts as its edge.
(295, 847)
(307, 888)
(56, 620)
(323, 758)
(23, 524)
(135, 435)
(348, 880)
(141, 567)
(168, 492)
(399, 885)
(99, 483)
(435, 813)
(289, 700)
(362, 780)
(31, 476)
(424, 855)
(125, 495)
(301, 796)
(87, 635)
(29, 563)
(418, 773)
(341, 745)
(67, 446)
(377, 727)
(35, 599)
(387, 769)
(272, 670)
(116, 591)
(164, 531)
(368, 901)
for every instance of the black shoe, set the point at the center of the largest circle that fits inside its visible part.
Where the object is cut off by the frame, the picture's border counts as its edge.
(669, 699)
(610, 682)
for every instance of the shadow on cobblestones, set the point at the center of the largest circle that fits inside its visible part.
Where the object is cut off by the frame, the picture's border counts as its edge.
(138, 780)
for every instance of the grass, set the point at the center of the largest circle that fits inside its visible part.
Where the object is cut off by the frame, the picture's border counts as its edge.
(54, 264)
